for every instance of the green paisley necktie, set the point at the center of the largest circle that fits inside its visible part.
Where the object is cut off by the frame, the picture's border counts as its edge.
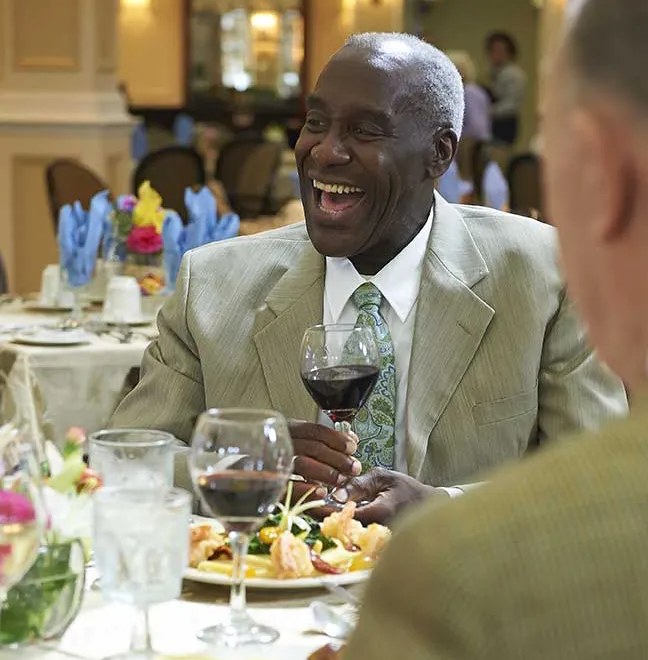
(376, 421)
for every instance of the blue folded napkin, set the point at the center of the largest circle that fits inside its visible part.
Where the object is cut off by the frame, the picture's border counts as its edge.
(79, 235)
(204, 227)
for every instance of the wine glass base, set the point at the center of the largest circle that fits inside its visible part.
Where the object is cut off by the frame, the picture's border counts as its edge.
(134, 655)
(233, 636)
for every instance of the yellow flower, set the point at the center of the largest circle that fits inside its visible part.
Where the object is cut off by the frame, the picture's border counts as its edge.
(148, 211)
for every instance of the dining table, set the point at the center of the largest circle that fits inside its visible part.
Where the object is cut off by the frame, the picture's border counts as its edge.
(60, 386)
(103, 629)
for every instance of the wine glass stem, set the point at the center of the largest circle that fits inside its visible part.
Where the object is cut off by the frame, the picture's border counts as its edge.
(239, 545)
(343, 427)
(76, 314)
(141, 639)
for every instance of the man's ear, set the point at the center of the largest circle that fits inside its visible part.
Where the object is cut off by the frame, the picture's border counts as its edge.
(607, 170)
(442, 152)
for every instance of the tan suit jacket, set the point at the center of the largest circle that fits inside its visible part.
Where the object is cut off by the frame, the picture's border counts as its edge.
(499, 362)
(549, 561)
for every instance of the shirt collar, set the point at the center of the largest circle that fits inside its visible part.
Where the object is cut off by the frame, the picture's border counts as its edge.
(399, 281)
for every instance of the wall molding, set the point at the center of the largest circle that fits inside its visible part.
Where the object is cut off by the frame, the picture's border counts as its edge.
(63, 108)
(43, 46)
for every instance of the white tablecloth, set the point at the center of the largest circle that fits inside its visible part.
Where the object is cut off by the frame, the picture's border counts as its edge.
(78, 385)
(103, 629)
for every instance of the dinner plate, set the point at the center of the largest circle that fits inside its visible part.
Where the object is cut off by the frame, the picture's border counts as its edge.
(318, 582)
(145, 320)
(37, 306)
(345, 579)
(52, 338)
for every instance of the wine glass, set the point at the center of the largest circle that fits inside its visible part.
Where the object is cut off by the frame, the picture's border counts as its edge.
(141, 541)
(22, 512)
(240, 461)
(340, 364)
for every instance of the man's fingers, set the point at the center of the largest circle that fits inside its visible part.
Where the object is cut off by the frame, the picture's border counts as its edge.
(300, 489)
(341, 463)
(358, 489)
(339, 442)
(312, 470)
(378, 511)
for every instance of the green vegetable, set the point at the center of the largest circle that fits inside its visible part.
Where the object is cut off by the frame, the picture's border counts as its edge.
(256, 547)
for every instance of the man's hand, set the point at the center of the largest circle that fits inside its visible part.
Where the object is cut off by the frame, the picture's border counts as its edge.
(327, 652)
(322, 455)
(387, 494)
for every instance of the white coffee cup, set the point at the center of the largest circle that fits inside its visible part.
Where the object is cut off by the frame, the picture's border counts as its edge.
(50, 284)
(123, 303)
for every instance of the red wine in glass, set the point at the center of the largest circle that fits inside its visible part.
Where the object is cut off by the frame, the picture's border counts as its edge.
(340, 364)
(241, 499)
(341, 391)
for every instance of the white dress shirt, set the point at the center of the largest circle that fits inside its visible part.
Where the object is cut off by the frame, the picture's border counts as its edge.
(399, 282)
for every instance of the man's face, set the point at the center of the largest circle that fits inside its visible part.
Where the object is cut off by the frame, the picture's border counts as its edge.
(361, 161)
(498, 52)
(573, 191)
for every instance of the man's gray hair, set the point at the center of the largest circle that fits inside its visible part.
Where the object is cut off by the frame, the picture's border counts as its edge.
(435, 93)
(607, 45)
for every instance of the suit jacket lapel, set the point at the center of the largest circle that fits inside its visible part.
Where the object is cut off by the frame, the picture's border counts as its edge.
(450, 323)
(294, 304)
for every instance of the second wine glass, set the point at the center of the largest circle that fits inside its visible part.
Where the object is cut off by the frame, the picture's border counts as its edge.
(240, 461)
(340, 364)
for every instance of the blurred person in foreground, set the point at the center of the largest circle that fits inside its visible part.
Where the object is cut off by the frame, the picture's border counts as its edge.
(508, 84)
(484, 358)
(549, 561)
(477, 103)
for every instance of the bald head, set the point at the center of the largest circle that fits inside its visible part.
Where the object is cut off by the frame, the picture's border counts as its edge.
(432, 86)
(607, 49)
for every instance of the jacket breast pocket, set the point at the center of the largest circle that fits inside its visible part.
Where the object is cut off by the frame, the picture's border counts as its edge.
(507, 426)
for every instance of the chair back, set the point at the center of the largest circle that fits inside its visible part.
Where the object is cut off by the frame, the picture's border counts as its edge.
(171, 170)
(4, 283)
(67, 181)
(524, 179)
(472, 159)
(248, 168)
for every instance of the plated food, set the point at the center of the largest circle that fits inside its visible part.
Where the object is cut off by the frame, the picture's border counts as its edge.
(291, 545)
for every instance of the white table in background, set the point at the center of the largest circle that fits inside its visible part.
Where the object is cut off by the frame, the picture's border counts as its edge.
(76, 385)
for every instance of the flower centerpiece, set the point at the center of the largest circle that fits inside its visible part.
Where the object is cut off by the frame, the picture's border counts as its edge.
(137, 233)
(46, 600)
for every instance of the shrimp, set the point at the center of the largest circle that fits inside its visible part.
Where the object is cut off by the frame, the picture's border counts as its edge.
(372, 539)
(290, 557)
(205, 540)
(341, 525)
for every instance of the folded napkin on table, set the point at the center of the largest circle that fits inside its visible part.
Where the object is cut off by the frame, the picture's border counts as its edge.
(204, 226)
(79, 236)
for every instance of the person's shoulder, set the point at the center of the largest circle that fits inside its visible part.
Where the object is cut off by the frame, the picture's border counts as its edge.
(496, 232)
(559, 494)
(268, 245)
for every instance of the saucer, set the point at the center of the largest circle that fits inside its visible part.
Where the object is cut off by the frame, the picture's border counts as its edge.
(135, 322)
(49, 337)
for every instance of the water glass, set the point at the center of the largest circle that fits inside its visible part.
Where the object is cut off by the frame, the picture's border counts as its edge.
(141, 540)
(133, 458)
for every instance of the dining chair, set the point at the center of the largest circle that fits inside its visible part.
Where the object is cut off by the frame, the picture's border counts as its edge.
(4, 284)
(171, 170)
(524, 178)
(247, 168)
(67, 181)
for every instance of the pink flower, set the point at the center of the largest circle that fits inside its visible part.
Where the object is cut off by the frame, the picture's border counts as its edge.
(144, 240)
(126, 203)
(15, 508)
(75, 435)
